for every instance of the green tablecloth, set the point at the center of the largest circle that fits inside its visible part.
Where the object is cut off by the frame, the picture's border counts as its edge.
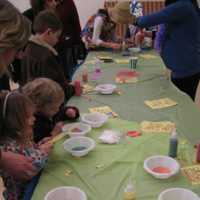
(104, 173)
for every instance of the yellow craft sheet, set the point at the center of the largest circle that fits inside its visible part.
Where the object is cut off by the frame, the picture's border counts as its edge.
(192, 173)
(160, 103)
(57, 138)
(157, 127)
(104, 57)
(126, 80)
(122, 61)
(90, 62)
(147, 56)
(87, 88)
(104, 109)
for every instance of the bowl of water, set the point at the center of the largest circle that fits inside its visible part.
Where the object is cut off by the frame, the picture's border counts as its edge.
(178, 194)
(66, 193)
(76, 129)
(161, 167)
(95, 119)
(79, 146)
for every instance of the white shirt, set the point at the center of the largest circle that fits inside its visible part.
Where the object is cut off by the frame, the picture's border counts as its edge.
(98, 24)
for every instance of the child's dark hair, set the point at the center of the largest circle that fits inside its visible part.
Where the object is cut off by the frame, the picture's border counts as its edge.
(103, 12)
(37, 6)
(14, 111)
(46, 20)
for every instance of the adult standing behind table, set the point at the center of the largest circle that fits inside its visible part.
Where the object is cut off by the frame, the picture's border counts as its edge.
(70, 48)
(14, 33)
(181, 43)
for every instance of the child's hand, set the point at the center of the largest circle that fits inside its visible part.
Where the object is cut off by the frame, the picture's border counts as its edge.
(71, 113)
(44, 140)
(46, 147)
(57, 129)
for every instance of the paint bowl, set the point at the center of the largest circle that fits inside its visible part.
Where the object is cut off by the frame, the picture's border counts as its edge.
(66, 193)
(178, 194)
(106, 88)
(95, 119)
(79, 146)
(76, 129)
(161, 167)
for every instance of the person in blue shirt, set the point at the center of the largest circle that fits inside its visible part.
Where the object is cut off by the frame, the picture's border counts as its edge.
(180, 48)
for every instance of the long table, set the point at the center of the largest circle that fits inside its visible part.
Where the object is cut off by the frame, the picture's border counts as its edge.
(104, 172)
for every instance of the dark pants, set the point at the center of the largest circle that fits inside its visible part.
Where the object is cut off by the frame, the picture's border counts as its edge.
(188, 84)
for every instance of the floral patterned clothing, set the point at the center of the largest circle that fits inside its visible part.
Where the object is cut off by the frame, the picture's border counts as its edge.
(15, 187)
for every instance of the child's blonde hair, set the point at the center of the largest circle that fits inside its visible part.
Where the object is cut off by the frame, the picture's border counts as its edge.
(43, 92)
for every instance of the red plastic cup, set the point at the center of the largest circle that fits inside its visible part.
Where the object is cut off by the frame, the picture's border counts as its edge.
(78, 88)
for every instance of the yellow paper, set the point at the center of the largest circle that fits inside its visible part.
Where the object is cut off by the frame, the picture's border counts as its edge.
(104, 57)
(160, 103)
(87, 88)
(92, 62)
(147, 56)
(126, 80)
(157, 127)
(192, 173)
(57, 138)
(122, 61)
(104, 109)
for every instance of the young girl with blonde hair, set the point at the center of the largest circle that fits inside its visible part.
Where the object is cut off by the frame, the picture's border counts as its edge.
(48, 98)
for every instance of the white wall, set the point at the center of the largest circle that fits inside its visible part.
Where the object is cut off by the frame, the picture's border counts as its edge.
(85, 8)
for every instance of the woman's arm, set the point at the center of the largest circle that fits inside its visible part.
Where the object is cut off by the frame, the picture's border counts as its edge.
(172, 13)
(17, 165)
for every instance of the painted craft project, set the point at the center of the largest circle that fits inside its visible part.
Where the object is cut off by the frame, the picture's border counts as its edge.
(126, 76)
(157, 127)
(104, 109)
(87, 88)
(160, 103)
(192, 173)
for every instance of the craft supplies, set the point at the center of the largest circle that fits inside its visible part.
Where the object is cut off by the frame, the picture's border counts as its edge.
(129, 192)
(161, 170)
(85, 74)
(198, 154)
(110, 137)
(104, 109)
(134, 133)
(78, 88)
(133, 62)
(160, 103)
(173, 144)
(157, 127)
(192, 173)
(96, 75)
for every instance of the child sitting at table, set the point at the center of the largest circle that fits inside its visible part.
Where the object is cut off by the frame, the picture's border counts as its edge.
(16, 128)
(48, 98)
(99, 31)
(41, 59)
